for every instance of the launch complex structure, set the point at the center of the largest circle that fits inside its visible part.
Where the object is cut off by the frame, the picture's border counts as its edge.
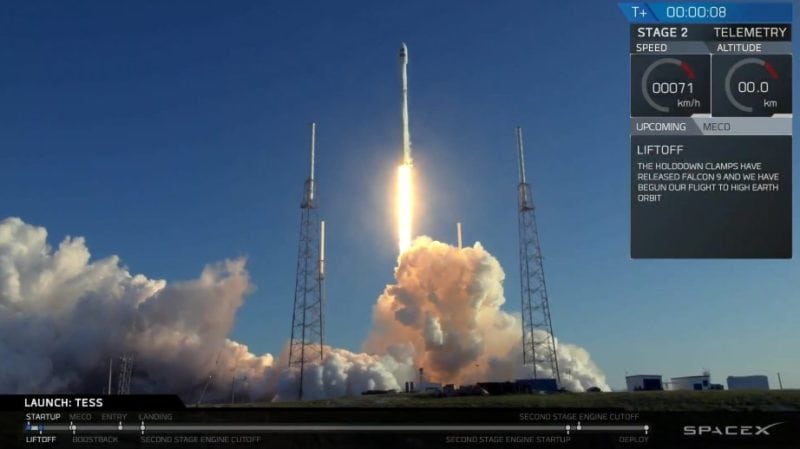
(306, 345)
(538, 348)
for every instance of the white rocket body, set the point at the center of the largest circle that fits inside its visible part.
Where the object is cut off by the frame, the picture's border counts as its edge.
(404, 103)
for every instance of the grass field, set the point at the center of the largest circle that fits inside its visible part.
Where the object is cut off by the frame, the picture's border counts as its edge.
(773, 400)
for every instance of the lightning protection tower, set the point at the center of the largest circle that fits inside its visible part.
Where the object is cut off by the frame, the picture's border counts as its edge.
(124, 376)
(306, 342)
(538, 348)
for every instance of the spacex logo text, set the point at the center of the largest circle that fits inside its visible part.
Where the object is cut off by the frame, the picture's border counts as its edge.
(740, 431)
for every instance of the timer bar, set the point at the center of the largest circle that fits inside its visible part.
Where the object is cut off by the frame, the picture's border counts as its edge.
(567, 429)
(706, 12)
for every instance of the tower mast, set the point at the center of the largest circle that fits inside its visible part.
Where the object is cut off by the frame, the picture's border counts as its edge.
(538, 342)
(305, 344)
(124, 376)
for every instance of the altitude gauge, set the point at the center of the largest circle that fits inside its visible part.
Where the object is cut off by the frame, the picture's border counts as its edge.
(757, 85)
(669, 85)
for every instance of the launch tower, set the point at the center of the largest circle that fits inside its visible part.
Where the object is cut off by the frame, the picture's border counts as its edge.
(538, 348)
(124, 376)
(306, 342)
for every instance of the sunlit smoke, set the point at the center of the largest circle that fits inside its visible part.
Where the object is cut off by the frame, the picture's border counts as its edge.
(443, 312)
(404, 206)
(63, 316)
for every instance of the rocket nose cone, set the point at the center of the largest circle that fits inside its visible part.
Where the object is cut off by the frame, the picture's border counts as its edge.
(403, 50)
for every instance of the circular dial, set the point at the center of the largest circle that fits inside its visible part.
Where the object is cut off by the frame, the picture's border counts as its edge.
(750, 89)
(671, 86)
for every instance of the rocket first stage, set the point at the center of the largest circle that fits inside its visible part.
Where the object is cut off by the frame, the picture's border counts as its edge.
(405, 193)
(404, 103)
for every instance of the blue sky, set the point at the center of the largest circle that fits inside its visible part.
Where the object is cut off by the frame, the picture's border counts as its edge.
(175, 134)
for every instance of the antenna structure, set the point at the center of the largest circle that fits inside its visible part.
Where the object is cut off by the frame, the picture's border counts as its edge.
(538, 348)
(306, 341)
(124, 376)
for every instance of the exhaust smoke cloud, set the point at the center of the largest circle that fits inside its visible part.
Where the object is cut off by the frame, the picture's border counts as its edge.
(443, 313)
(63, 315)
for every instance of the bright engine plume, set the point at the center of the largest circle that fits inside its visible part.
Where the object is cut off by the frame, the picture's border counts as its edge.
(404, 206)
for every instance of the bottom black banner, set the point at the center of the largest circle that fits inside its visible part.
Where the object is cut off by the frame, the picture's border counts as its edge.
(163, 421)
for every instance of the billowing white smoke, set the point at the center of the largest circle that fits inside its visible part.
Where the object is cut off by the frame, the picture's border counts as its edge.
(342, 373)
(443, 314)
(63, 317)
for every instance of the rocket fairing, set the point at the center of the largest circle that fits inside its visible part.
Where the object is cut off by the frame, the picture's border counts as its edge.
(404, 103)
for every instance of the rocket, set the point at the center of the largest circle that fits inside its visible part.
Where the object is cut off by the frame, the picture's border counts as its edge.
(404, 103)
(405, 190)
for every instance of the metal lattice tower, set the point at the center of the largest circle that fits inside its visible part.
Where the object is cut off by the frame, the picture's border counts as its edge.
(306, 342)
(209, 380)
(124, 376)
(537, 352)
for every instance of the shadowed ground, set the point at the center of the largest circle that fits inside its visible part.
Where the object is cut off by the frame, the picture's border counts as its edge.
(774, 400)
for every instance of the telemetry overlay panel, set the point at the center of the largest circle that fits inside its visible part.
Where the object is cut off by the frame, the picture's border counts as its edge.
(711, 130)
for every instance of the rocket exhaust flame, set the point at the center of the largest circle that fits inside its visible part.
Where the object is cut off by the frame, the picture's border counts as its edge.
(404, 206)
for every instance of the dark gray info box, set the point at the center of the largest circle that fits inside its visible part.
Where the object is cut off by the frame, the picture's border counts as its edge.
(711, 197)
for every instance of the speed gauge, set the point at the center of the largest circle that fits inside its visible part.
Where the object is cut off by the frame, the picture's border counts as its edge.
(758, 85)
(669, 85)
